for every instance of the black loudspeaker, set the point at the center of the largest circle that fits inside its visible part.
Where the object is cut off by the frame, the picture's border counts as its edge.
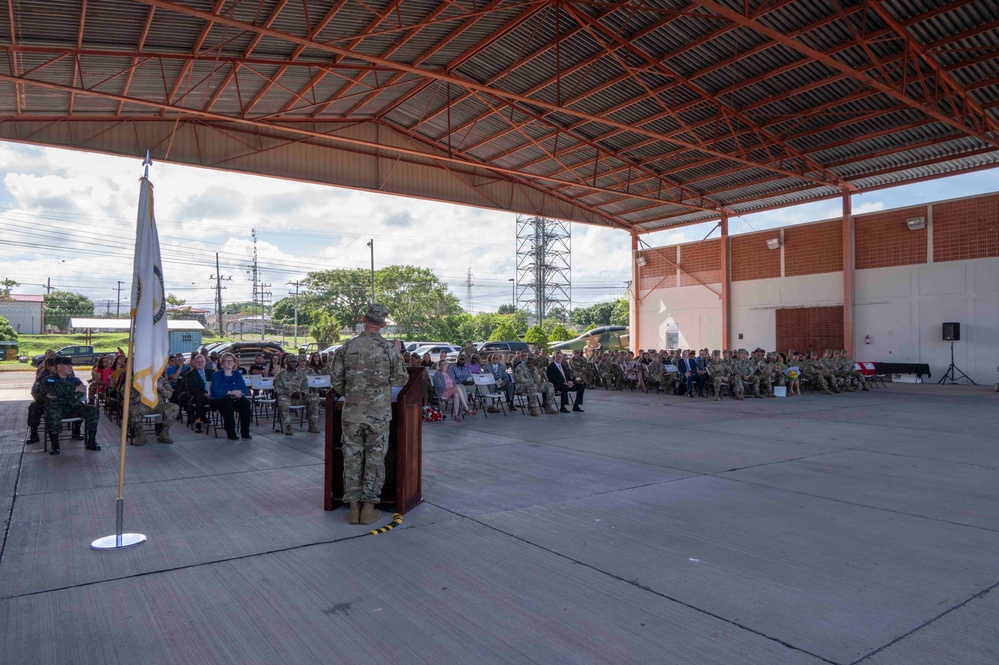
(952, 332)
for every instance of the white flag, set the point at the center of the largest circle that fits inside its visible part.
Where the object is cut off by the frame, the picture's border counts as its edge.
(151, 343)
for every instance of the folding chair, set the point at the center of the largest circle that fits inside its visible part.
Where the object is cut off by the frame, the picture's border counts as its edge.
(486, 393)
(151, 420)
(262, 397)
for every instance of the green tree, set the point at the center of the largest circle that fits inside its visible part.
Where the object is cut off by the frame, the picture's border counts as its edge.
(343, 294)
(535, 335)
(506, 309)
(5, 286)
(593, 316)
(60, 306)
(325, 330)
(284, 310)
(174, 301)
(7, 332)
(504, 332)
(413, 297)
(243, 307)
(621, 312)
(559, 334)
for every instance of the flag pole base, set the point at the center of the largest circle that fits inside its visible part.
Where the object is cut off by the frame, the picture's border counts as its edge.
(119, 540)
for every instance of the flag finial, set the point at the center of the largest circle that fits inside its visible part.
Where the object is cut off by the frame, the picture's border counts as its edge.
(147, 162)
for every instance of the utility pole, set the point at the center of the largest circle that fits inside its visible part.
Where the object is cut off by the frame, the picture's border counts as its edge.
(218, 293)
(264, 295)
(253, 270)
(118, 310)
(48, 286)
(371, 244)
(296, 285)
(108, 311)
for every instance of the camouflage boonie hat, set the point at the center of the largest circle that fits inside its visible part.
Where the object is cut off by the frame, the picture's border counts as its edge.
(376, 313)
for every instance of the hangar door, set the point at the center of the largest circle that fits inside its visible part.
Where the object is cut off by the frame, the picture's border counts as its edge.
(810, 328)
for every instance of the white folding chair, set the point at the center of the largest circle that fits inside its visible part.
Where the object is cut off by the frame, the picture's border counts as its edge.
(262, 398)
(486, 393)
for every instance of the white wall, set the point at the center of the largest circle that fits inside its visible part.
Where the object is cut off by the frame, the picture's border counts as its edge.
(901, 308)
(695, 310)
(27, 315)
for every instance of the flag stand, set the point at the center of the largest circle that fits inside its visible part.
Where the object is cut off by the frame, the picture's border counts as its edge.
(119, 540)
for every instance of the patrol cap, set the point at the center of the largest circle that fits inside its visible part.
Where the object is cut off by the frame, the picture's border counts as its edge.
(741, 351)
(64, 360)
(376, 313)
(716, 352)
(51, 361)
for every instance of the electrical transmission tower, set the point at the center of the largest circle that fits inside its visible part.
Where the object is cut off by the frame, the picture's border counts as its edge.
(468, 292)
(544, 266)
(259, 289)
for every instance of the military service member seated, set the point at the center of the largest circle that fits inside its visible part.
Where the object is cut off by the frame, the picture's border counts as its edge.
(168, 411)
(64, 395)
(291, 387)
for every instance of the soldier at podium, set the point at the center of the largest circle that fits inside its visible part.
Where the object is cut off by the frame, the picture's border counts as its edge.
(364, 371)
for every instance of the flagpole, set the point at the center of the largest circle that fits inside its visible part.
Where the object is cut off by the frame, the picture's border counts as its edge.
(119, 540)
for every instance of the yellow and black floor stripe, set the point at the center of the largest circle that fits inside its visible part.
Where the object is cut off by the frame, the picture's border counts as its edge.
(396, 521)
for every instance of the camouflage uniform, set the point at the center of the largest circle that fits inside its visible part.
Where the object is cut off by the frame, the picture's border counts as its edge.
(849, 371)
(811, 371)
(615, 373)
(137, 410)
(581, 368)
(747, 368)
(654, 373)
(735, 372)
(64, 401)
(828, 368)
(718, 370)
(764, 370)
(287, 383)
(528, 382)
(364, 371)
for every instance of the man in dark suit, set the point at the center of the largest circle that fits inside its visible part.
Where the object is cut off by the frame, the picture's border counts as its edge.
(689, 374)
(561, 377)
(197, 378)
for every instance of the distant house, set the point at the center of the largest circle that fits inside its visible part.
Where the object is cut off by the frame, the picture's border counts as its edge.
(24, 312)
(185, 336)
(185, 312)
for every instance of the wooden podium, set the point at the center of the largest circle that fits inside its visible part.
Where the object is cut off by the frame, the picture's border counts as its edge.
(403, 488)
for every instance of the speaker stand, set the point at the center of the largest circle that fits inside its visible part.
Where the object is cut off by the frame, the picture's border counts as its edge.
(953, 371)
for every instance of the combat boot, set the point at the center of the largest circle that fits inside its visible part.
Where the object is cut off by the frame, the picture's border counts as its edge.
(354, 512)
(287, 429)
(313, 428)
(77, 433)
(91, 443)
(863, 384)
(53, 443)
(164, 436)
(139, 438)
(33, 436)
(369, 514)
(534, 411)
(551, 410)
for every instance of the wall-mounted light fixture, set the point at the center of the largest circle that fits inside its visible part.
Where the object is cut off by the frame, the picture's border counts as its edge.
(867, 339)
(640, 261)
(773, 243)
(916, 223)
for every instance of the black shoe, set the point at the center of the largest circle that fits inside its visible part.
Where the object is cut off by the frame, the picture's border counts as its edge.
(92, 441)
(53, 444)
(232, 437)
(197, 428)
(246, 436)
(577, 409)
(34, 436)
(563, 410)
(77, 436)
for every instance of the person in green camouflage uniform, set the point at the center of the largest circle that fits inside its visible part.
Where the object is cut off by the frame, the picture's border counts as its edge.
(813, 372)
(63, 394)
(291, 388)
(747, 372)
(764, 370)
(364, 370)
(38, 401)
(849, 371)
(581, 368)
(529, 382)
(735, 384)
(719, 371)
(137, 410)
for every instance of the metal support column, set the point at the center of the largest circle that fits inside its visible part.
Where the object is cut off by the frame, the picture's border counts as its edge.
(726, 282)
(635, 285)
(848, 269)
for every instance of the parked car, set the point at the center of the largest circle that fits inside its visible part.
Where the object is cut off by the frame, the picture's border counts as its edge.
(80, 355)
(413, 346)
(506, 350)
(328, 352)
(436, 350)
(246, 351)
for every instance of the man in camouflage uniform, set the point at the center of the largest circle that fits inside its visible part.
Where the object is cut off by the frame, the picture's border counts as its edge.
(291, 388)
(654, 372)
(735, 373)
(747, 372)
(813, 372)
(364, 371)
(764, 370)
(167, 410)
(38, 404)
(528, 381)
(718, 370)
(580, 367)
(849, 371)
(830, 369)
(63, 394)
(616, 371)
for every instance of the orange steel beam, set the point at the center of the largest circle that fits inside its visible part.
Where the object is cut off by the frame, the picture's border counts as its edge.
(135, 59)
(218, 117)
(76, 60)
(726, 286)
(195, 50)
(14, 67)
(890, 87)
(848, 270)
(635, 321)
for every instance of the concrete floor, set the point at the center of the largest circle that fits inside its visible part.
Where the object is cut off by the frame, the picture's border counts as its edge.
(650, 529)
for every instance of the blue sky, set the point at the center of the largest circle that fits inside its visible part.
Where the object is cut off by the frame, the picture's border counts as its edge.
(70, 216)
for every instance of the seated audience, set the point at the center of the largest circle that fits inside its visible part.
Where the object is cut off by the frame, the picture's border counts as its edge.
(228, 397)
(446, 388)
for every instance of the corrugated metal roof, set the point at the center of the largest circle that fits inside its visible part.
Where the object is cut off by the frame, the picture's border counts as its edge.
(173, 325)
(645, 115)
